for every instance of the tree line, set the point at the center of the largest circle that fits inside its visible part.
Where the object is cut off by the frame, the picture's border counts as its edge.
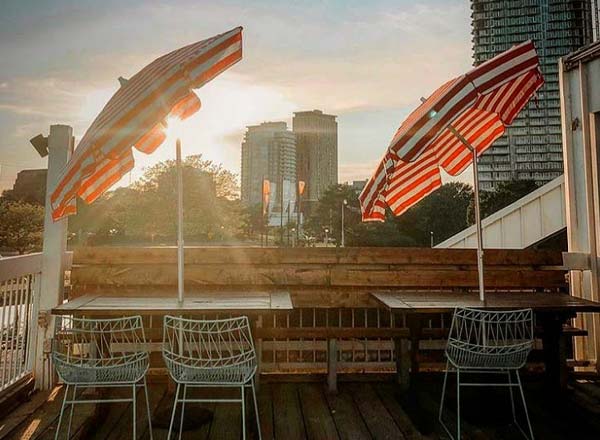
(145, 213)
(437, 217)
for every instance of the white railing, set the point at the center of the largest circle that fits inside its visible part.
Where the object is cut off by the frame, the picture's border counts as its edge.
(19, 287)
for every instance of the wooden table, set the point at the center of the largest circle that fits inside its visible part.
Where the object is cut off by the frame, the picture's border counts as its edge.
(552, 311)
(443, 302)
(247, 303)
(194, 304)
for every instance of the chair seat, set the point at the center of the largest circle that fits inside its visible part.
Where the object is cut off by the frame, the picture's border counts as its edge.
(469, 356)
(122, 370)
(232, 375)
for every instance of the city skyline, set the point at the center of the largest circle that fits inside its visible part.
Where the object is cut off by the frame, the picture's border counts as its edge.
(326, 61)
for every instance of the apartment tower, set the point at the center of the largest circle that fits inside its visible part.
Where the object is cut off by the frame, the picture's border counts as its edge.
(532, 147)
(317, 152)
(269, 152)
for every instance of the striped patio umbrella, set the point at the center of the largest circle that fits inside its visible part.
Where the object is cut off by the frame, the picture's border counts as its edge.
(136, 117)
(449, 130)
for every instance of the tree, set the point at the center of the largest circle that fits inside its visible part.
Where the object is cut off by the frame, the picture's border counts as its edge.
(148, 208)
(22, 226)
(444, 212)
(503, 195)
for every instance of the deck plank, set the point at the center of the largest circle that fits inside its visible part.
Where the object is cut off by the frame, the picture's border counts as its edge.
(347, 418)
(265, 411)
(385, 391)
(317, 415)
(42, 419)
(380, 423)
(287, 412)
(360, 411)
(123, 428)
(21, 413)
(227, 422)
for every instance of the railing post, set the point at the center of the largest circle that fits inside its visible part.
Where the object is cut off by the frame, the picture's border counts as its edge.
(50, 294)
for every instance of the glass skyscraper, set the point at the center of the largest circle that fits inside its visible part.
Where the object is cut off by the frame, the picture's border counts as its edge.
(532, 147)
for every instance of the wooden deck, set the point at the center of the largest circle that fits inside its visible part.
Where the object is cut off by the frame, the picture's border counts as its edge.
(303, 410)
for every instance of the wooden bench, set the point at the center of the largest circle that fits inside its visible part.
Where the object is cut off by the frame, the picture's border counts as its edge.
(320, 280)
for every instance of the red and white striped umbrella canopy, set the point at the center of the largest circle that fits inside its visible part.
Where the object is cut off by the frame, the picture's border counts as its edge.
(478, 105)
(136, 114)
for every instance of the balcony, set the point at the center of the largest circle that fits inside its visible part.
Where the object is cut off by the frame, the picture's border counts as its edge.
(338, 365)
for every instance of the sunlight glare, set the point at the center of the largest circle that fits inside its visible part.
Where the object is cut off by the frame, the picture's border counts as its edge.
(175, 129)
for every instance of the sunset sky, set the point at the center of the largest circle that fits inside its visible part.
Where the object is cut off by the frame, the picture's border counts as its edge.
(366, 61)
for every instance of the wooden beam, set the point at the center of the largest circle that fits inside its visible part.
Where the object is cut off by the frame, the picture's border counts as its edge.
(577, 261)
(280, 256)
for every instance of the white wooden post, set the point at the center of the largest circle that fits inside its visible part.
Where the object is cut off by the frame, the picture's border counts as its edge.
(60, 145)
(579, 111)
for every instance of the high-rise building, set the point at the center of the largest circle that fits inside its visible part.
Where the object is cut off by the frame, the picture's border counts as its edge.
(30, 187)
(596, 19)
(269, 152)
(317, 151)
(531, 148)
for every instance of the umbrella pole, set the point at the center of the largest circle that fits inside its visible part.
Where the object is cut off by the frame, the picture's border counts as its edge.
(179, 223)
(479, 231)
(473, 151)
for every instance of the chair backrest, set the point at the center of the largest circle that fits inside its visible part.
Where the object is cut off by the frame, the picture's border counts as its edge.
(80, 341)
(208, 343)
(487, 329)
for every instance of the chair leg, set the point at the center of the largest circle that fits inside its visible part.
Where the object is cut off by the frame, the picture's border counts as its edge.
(182, 410)
(457, 404)
(134, 411)
(148, 409)
(173, 412)
(524, 405)
(71, 411)
(512, 397)
(441, 413)
(62, 410)
(256, 410)
(243, 401)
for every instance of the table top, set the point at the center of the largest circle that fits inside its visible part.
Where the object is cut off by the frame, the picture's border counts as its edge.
(442, 302)
(99, 304)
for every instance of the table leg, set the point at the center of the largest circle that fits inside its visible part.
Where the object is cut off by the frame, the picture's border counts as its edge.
(332, 355)
(401, 353)
(555, 351)
(415, 328)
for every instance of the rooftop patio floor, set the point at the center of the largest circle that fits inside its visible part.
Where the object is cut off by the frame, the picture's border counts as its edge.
(298, 410)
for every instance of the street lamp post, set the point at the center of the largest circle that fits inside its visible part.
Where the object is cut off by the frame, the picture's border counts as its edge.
(326, 237)
(344, 203)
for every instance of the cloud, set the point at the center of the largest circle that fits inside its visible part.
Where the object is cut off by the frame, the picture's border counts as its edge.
(348, 172)
(368, 62)
(234, 137)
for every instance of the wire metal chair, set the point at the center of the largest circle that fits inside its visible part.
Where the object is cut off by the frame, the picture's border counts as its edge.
(496, 342)
(100, 353)
(210, 353)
